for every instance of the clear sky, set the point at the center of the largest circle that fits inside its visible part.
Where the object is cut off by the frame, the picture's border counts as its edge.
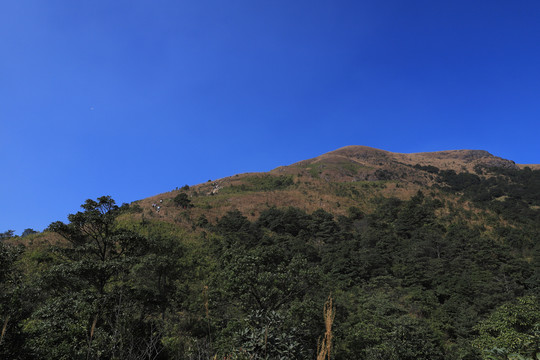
(134, 98)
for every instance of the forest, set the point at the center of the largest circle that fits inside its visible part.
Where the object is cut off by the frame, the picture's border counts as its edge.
(414, 279)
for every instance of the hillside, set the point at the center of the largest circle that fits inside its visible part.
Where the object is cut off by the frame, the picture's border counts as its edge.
(349, 176)
(378, 255)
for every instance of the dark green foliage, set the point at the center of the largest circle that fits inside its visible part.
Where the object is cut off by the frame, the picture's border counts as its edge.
(107, 294)
(182, 200)
(266, 336)
(458, 182)
(346, 190)
(261, 183)
(355, 213)
(513, 328)
(290, 221)
(379, 327)
(98, 247)
(233, 222)
(407, 282)
(27, 232)
(383, 174)
(429, 168)
(12, 310)
(269, 182)
(132, 208)
(452, 276)
(512, 193)
(6, 234)
(267, 279)
(202, 221)
(8, 256)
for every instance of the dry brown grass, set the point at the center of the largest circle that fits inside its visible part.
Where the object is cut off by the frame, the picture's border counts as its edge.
(532, 166)
(93, 327)
(38, 241)
(315, 183)
(4, 329)
(324, 347)
(307, 194)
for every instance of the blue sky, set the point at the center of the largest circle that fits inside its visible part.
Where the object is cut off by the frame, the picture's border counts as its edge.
(134, 98)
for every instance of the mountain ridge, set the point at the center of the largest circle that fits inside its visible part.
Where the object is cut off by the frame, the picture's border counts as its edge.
(371, 155)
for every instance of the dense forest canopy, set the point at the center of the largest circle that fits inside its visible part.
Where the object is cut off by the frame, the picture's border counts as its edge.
(411, 279)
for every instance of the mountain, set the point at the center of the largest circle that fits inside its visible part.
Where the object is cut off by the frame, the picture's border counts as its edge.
(349, 176)
(358, 253)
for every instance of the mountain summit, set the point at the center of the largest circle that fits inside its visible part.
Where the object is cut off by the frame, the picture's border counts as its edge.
(356, 163)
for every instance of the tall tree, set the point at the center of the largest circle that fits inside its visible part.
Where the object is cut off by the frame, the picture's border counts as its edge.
(89, 311)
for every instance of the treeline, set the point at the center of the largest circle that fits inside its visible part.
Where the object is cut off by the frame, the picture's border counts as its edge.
(405, 283)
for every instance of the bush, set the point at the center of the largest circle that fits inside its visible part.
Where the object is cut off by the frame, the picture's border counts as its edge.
(182, 200)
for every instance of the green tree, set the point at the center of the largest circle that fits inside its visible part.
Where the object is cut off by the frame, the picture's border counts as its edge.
(182, 200)
(27, 232)
(513, 328)
(89, 310)
(265, 278)
(10, 341)
(7, 234)
(98, 246)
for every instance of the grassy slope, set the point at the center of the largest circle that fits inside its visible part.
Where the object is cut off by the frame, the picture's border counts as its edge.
(350, 176)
